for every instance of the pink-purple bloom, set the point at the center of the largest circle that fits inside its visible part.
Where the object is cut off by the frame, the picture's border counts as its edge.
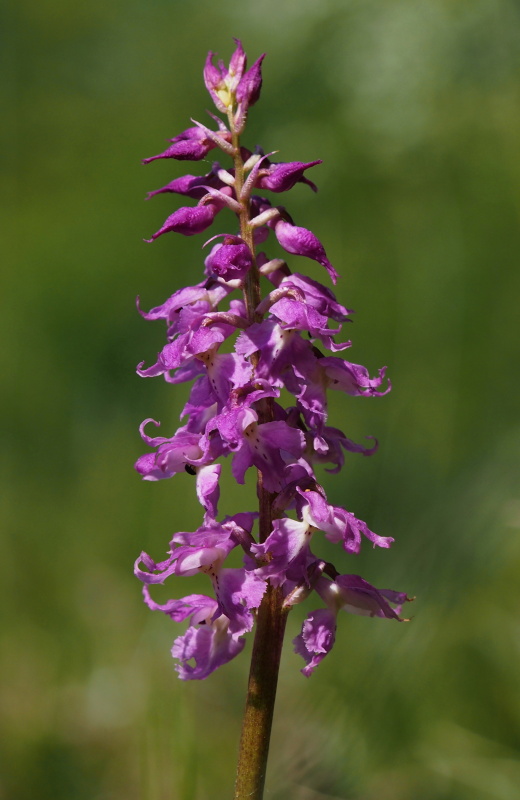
(244, 355)
(191, 145)
(229, 260)
(301, 242)
(282, 177)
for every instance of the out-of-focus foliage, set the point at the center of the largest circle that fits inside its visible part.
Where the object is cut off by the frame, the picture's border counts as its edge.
(413, 106)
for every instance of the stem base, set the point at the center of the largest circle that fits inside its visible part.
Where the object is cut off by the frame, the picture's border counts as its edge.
(261, 695)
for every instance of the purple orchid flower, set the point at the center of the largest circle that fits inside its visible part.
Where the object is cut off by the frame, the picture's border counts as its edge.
(207, 643)
(350, 593)
(301, 242)
(230, 259)
(201, 650)
(193, 186)
(282, 177)
(190, 145)
(173, 455)
(188, 221)
(245, 353)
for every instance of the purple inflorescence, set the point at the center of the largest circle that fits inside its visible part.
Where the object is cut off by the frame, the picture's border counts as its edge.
(275, 347)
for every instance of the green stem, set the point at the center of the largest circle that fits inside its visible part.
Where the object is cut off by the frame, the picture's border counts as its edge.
(271, 617)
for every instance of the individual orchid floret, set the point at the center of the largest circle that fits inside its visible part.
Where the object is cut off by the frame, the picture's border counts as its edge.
(193, 144)
(230, 260)
(184, 349)
(207, 643)
(352, 378)
(209, 293)
(316, 295)
(282, 177)
(188, 220)
(302, 242)
(338, 524)
(352, 594)
(203, 550)
(357, 596)
(194, 186)
(205, 647)
(174, 455)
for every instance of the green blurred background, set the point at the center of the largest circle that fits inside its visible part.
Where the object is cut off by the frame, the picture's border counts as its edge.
(414, 108)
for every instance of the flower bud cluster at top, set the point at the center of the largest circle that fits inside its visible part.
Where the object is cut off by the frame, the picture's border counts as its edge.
(232, 408)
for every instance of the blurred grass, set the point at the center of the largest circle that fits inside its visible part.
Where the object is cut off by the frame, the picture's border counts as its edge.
(413, 107)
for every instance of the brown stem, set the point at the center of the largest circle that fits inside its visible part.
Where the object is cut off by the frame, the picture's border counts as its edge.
(271, 617)
(261, 695)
